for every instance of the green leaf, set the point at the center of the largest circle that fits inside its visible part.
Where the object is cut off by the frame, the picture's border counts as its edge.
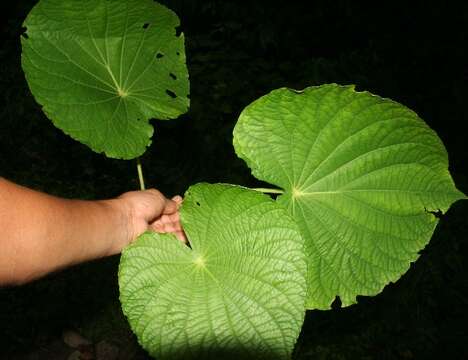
(102, 68)
(361, 176)
(238, 292)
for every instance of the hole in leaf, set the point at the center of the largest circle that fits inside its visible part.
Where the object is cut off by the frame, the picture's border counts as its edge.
(437, 213)
(336, 304)
(171, 94)
(145, 25)
(173, 76)
(24, 32)
(159, 55)
(177, 53)
(178, 31)
(198, 204)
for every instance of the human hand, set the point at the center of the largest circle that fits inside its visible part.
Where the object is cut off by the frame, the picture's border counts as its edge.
(170, 222)
(150, 210)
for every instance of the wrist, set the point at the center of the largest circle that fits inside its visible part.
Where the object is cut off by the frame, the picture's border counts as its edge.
(122, 230)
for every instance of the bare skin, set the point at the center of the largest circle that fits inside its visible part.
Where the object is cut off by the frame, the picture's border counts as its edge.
(40, 233)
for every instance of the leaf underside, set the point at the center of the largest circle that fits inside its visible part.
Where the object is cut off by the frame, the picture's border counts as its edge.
(238, 292)
(360, 174)
(102, 68)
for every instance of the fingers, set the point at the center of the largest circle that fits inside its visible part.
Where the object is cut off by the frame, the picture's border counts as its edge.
(168, 218)
(178, 199)
(181, 236)
(167, 223)
(162, 205)
(172, 205)
(164, 217)
(170, 224)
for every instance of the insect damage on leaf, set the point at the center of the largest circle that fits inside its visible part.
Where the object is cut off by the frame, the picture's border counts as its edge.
(96, 69)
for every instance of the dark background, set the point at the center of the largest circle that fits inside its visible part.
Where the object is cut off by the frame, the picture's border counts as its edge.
(237, 51)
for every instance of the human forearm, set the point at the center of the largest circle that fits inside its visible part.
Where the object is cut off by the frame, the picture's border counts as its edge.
(42, 233)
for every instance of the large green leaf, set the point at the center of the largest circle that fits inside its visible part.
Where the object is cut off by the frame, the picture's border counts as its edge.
(361, 175)
(238, 292)
(102, 68)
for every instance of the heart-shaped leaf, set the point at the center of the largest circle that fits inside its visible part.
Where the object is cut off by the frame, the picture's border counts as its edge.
(361, 176)
(238, 292)
(102, 68)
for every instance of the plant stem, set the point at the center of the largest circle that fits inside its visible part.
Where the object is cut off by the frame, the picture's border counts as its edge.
(269, 191)
(140, 174)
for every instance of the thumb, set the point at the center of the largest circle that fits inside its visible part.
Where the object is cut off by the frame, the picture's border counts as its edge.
(170, 207)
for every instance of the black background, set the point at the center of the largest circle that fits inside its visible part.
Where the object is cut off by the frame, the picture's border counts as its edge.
(413, 52)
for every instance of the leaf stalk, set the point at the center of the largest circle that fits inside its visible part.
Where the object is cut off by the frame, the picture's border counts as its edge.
(140, 174)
